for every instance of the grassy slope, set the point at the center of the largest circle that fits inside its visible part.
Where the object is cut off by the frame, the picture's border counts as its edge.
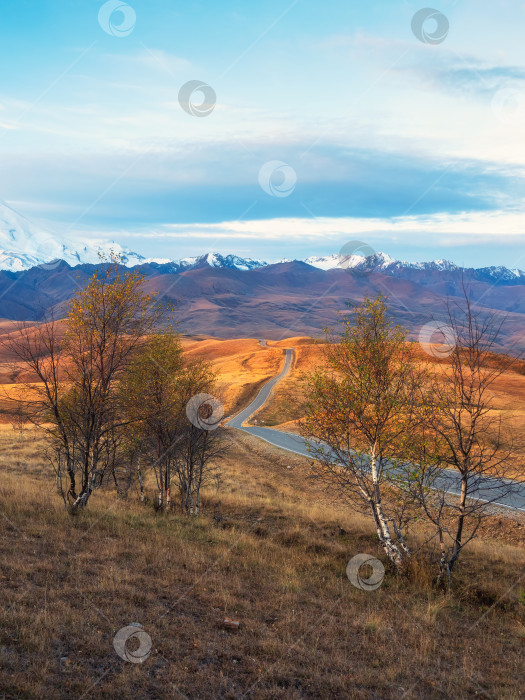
(242, 365)
(267, 550)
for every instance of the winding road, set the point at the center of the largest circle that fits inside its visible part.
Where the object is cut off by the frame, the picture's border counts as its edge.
(499, 492)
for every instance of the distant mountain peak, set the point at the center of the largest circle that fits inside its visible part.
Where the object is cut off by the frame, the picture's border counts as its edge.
(378, 261)
(217, 260)
(24, 244)
(382, 262)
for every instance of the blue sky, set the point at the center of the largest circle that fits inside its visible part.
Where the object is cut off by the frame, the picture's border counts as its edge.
(415, 149)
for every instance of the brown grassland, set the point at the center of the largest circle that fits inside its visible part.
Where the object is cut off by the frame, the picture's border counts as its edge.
(270, 550)
(243, 366)
(283, 409)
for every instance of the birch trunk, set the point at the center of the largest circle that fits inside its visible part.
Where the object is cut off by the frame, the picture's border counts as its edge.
(391, 549)
(82, 499)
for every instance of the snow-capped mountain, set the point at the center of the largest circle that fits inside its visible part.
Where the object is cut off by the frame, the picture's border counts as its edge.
(221, 296)
(24, 245)
(376, 262)
(381, 262)
(216, 260)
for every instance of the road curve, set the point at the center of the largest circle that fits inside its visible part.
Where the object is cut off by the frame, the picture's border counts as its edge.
(262, 396)
(487, 490)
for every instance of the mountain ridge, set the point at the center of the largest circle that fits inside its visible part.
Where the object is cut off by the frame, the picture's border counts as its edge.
(24, 245)
(276, 301)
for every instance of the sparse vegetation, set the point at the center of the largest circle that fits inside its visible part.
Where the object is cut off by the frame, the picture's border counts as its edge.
(268, 552)
(251, 599)
(366, 409)
(384, 430)
(76, 400)
(466, 436)
(155, 391)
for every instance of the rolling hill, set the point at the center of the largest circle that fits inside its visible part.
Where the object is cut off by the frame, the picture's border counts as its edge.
(280, 300)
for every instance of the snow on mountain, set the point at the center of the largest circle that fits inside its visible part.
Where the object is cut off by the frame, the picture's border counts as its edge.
(348, 262)
(326, 263)
(373, 263)
(502, 274)
(24, 244)
(216, 260)
(381, 262)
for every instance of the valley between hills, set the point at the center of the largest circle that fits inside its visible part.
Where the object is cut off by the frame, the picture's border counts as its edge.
(269, 551)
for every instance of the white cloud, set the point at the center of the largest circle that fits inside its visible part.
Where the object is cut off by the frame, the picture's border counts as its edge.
(456, 229)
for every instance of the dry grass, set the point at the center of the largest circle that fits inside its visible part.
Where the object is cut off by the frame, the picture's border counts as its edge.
(268, 551)
(284, 408)
(243, 366)
(286, 400)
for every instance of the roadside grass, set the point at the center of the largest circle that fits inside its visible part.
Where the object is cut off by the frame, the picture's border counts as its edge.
(284, 407)
(269, 550)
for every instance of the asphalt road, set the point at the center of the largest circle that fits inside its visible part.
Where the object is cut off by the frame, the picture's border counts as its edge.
(499, 492)
(261, 398)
